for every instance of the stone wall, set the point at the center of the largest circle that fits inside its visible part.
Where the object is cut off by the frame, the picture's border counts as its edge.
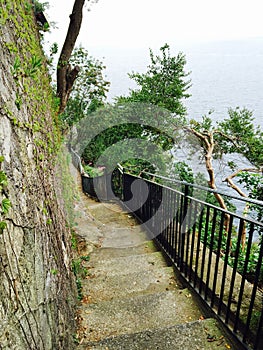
(37, 291)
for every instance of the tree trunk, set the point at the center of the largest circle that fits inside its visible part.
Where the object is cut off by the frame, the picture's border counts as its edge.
(231, 183)
(208, 147)
(211, 182)
(65, 75)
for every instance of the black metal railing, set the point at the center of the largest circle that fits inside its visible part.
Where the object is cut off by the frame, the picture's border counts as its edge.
(218, 252)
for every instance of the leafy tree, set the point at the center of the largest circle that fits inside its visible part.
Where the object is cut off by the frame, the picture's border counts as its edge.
(253, 183)
(123, 132)
(163, 84)
(89, 90)
(150, 114)
(235, 134)
(239, 135)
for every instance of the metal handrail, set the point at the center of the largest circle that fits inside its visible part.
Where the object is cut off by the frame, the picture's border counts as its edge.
(207, 189)
(197, 237)
(196, 248)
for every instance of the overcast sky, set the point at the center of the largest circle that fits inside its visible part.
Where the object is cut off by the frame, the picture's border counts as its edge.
(151, 23)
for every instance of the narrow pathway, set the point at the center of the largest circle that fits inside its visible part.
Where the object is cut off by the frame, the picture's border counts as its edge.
(132, 299)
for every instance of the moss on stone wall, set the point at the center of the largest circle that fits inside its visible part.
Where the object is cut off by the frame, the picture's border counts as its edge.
(37, 289)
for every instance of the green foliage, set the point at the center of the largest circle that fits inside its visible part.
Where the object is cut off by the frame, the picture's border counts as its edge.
(137, 166)
(89, 90)
(6, 205)
(85, 257)
(68, 191)
(163, 84)
(80, 273)
(40, 6)
(252, 261)
(234, 134)
(3, 180)
(23, 70)
(183, 172)
(74, 241)
(75, 339)
(4, 13)
(78, 269)
(149, 126)
(33, 68)
(212, 240)
(18, 101)
(54, 49)
(93, 172)
(239, 135)
(16, 69)
(3, 225)
(120, 133)
(236, 250)
(254, 185)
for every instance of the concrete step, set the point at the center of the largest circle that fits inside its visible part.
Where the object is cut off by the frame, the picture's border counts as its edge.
(123, 237)
(121, 286)
(198, 335)
(137, 314)
(110, 213)
(105, 253)
(127, 264)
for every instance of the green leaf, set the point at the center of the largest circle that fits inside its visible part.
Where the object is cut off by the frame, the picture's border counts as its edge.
(6, 205)
(3, 225)
(2, 158)
(3, 179)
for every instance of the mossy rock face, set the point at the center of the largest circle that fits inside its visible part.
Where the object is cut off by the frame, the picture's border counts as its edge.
(38, 290)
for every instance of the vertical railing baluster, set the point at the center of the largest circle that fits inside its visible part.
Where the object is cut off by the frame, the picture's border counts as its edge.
(253, 295)
(218, 256)
(234, 270)
(193, 240)
(204, 249)
(242, 285)
(198, 247)
(226, 257)
(211, 246)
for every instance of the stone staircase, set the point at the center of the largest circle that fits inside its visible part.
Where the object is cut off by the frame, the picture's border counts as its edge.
(132, 299)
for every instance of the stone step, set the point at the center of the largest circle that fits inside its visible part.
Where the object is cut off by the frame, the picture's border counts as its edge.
(126, 264)
(123, 237)
(136, 314)
(106, 253)
(198, 335)
(123, 285)
(110, 213)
